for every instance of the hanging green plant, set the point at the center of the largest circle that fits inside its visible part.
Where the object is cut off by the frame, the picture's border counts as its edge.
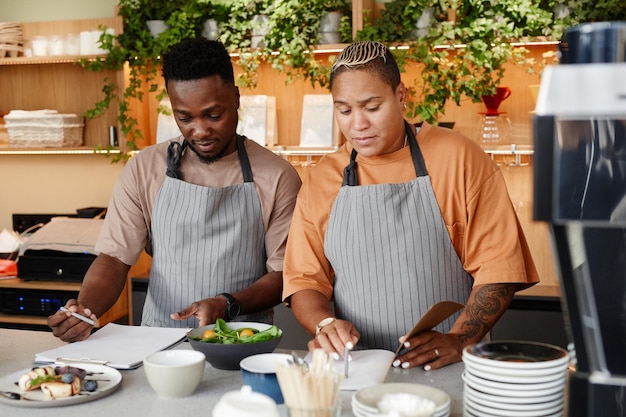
(461, 45)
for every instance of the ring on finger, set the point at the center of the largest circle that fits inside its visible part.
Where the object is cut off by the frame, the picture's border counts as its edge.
(437, 352)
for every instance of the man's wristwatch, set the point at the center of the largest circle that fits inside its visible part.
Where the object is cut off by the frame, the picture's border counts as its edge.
(233, 308)
(323, 323)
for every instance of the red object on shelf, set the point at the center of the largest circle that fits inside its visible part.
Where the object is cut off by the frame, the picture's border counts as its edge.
(492, 102)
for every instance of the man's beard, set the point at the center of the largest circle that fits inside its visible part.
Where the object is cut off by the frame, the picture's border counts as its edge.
(208, 159)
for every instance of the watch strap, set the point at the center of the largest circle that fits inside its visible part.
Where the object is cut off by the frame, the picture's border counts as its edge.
(232, 303)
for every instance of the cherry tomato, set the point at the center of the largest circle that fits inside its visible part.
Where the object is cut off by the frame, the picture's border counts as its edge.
(208, 334)
(246, 332)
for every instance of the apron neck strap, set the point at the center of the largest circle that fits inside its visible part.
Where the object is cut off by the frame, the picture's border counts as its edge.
(174, 154)
(416, 153)
(246, 168)
(349, 172)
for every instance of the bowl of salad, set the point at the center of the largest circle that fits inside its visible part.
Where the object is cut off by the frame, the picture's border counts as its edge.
(226, 344)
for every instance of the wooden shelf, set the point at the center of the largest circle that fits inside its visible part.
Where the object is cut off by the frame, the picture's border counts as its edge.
(44, 60)
(40, 285)
(84, 150)
(60, 83)
(120, 309)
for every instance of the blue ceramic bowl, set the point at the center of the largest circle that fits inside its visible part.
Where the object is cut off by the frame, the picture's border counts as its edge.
(259, 372)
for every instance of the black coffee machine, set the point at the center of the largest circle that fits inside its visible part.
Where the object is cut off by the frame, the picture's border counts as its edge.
(580, 191)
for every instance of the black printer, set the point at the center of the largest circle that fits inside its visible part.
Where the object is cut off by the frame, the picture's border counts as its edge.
(61, 250)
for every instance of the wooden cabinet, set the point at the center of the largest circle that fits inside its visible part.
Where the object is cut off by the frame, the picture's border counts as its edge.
(58, 82)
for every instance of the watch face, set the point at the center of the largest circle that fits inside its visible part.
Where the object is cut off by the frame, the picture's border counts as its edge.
(233, 309)
(326, 321)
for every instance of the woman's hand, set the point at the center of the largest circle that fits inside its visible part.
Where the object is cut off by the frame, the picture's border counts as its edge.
(335, 337)
(432, 349)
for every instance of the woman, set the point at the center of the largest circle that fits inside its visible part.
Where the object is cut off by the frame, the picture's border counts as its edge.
(396, 220)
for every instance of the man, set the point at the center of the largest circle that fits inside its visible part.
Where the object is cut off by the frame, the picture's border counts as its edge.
(397, 220)
(212, 208)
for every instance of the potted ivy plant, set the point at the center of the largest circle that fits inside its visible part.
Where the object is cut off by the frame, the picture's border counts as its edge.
(137, 48)
(451, 71)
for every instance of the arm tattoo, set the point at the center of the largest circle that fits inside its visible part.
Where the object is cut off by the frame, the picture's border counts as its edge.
(489, 302)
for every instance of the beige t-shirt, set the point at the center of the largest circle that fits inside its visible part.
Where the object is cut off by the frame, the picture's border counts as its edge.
(126, 229)
(471, 194)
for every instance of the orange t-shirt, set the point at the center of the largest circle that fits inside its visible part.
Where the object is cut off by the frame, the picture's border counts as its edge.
(471, 194)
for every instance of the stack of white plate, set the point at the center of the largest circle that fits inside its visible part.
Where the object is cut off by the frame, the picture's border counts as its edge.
(514, 379)
(365, 401)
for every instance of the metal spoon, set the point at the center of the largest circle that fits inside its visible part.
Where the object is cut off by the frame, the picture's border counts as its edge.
(299, 361)
(14, 395)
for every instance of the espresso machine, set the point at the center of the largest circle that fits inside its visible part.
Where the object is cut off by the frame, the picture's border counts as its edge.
(579, 130)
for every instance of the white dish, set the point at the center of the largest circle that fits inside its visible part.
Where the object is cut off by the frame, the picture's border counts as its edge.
(517, 385)
(108, 378)
(531, 372)
(370, 396)
(491, 410)
(360, 412)
(510, 393)
(502, 404)
(517, 379)
(516, 354)
(512, 400)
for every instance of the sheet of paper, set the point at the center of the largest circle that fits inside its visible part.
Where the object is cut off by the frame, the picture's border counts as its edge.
(120, 346)
(367, 368)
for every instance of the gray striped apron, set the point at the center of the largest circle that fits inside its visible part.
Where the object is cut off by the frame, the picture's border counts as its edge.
(205, 241)
(391, 254)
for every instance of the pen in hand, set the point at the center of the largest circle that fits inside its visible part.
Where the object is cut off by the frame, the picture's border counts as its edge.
(79, 316)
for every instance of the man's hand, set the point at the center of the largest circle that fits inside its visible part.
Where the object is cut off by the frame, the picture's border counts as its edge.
(69, 328)
(207, 311)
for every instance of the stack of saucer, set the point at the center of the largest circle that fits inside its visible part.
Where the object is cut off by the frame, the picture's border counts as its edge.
(365, 401)
(514, 379)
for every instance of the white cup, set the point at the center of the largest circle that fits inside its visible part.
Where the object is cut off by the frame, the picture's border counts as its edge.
(72, 44)
(39, 46)
(56, 45)
(174, 373)
(86, 44)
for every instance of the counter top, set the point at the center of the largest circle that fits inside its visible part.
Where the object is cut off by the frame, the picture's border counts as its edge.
(135, 397)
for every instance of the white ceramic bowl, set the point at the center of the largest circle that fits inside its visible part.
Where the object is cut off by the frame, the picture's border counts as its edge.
(174, 373)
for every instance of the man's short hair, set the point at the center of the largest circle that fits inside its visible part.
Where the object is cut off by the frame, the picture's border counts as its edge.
(197, 58)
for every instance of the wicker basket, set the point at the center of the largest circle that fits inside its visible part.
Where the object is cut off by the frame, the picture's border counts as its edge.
(44, 128)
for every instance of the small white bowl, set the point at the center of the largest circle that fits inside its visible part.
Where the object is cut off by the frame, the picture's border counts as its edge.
(174, 373)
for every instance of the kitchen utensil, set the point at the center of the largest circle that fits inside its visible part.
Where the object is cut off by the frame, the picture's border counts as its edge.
(437, 313)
